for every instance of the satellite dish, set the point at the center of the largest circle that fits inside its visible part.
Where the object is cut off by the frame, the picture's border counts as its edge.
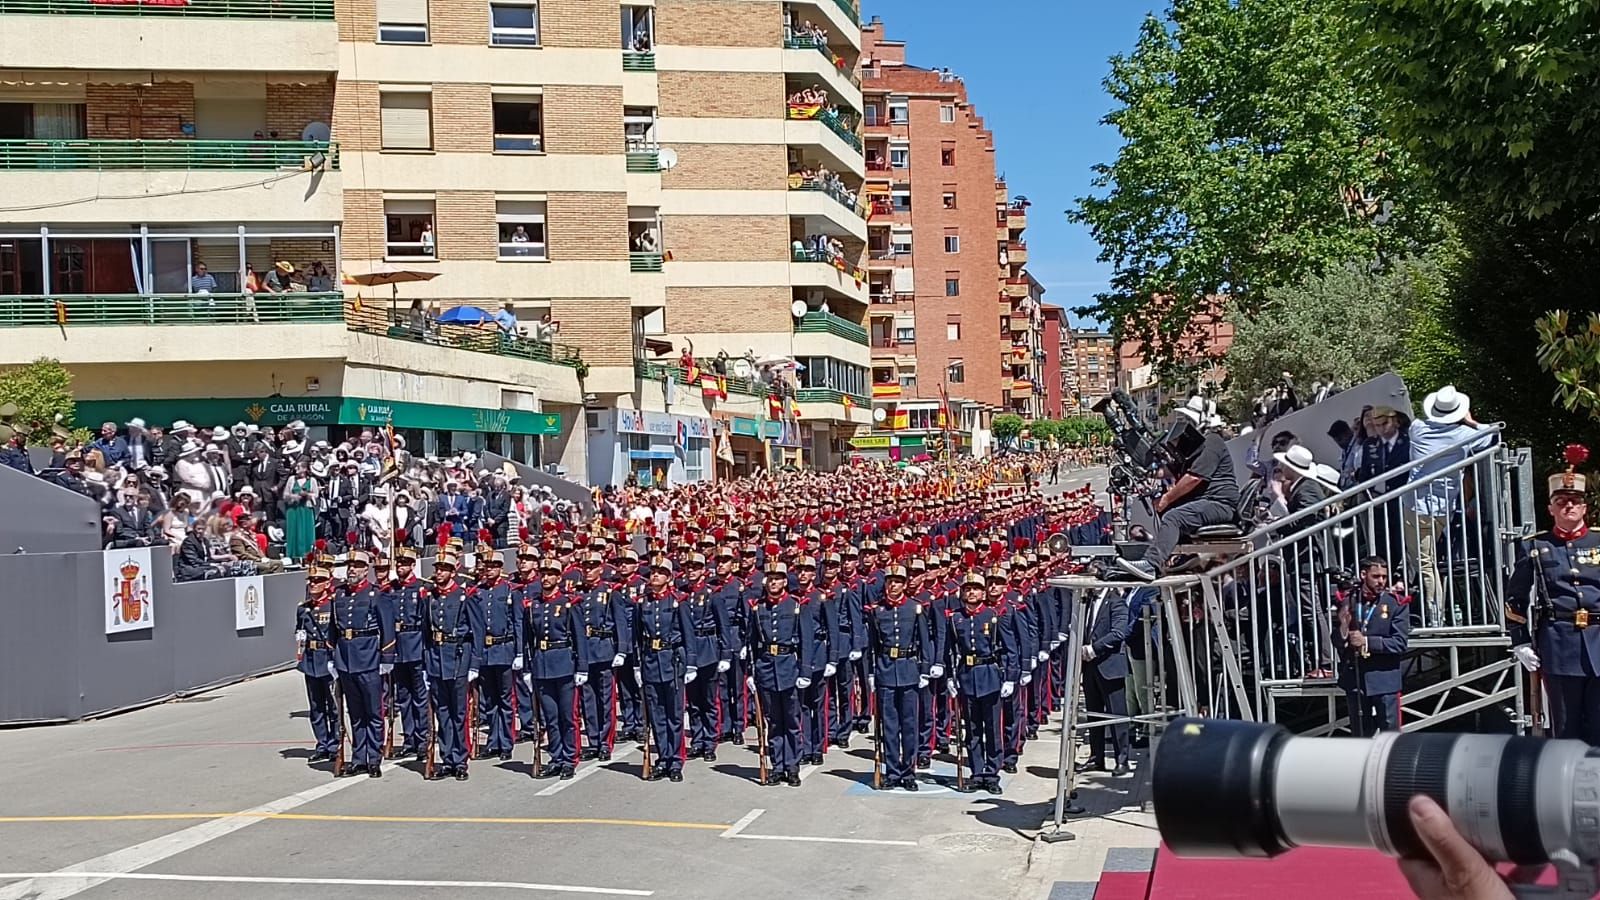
(798, 309)
(878, 414)
(316, 131)
(666, 159)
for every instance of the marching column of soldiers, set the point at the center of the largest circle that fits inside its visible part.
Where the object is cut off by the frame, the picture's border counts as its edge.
(920, 613)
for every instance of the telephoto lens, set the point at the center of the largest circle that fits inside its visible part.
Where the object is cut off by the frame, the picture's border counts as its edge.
(1239, 789)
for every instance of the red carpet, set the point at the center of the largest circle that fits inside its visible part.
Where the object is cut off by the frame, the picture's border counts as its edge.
(1123, 886)
(1309, 873)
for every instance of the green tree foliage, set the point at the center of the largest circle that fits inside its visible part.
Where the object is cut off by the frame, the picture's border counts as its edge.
(1006, 428)
(1081, 431)
(1044, 430)
(42, 392)
(1251, 161)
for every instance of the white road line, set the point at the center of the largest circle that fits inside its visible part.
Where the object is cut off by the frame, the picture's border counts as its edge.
(821, 840)
(742, 824)
(75, 879)
(584, 772)
(807, 771)
(360, 882)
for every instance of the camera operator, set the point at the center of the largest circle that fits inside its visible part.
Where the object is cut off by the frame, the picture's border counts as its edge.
(1376, 629)
(1206, 493)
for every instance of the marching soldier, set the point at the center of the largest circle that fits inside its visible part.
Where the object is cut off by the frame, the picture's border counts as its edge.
(313, 637)
(778, 632)
(555, 640)
(359, 631)
(706, 652)
(497, 650)
(408, 678)
(601, 611)
(447, 655)
(982, 656)
(658, 630)
(900, 644)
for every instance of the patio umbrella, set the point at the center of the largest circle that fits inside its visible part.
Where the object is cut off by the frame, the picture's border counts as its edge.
(393, 278)
(465, 315)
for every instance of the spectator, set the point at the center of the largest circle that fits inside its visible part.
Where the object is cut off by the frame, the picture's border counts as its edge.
(15, 454)
(320, 282)
(1446, 423)
(426, 239)
(202, 281)
(506, 318)
(300, 494)
(133, 524)
(1386, 449)
(113, 449)
(251, 282)
(245, 544)
(173, 525)
(192, 561)
(278, 277)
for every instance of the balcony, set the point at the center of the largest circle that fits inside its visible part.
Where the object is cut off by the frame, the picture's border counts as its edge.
(1016, 218)
(644, 161)
(644, 262)
(815, 269)
(828, 323)
(828, 395)
(166, 154)
(878, 170)
(395, 325)
(835, 122)
(653, 371)
(1016, 288)
(1016, 253)
(638, 62)
(838, 193)
(299, 10)
(93, 311)
(850, 10)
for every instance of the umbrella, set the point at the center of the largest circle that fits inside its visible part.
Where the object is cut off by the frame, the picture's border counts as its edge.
(393, 278)
(465, 315)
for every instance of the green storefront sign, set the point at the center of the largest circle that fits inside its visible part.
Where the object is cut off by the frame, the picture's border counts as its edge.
(756, 429)
(277, 411)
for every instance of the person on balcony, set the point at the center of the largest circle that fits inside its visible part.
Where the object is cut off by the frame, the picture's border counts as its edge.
(202, 282)
(319, 282)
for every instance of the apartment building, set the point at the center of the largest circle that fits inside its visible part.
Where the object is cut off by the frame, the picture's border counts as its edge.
(1052, 380)
(932, 251)
(1090, 361)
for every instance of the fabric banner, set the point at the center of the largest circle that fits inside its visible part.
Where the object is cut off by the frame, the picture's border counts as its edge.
(249, 603)
(128, 601)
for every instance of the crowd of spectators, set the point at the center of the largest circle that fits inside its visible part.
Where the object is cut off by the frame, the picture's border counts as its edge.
(821, 178)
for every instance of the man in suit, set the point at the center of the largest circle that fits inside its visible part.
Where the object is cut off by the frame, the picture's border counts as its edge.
(1377, 630)
(1105, 666)
(266, 479)
(1296, 471)
(133, 523)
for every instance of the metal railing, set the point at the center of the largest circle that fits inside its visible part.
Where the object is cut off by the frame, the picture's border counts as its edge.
(382, 320)
(839, 194)
(644, 262)
(654, 371)
(638, 62)
(27, 153)
(97, 310)
(834, 124)
(829, 395)
(828, 323)
(315, 10)
(644, 161)
(850, 10)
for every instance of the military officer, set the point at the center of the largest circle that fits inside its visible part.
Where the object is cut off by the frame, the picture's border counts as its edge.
(631, 586)
(525, 588)
(732, 700)
(982, 655)
(1017, 616)
(659, 626)
(447, 655)
(408, 679)
(826, 652)
(707, 652)
(601, 613)
(1376, 628)
(557, 645)
(497, 650)
(314, 659)
(360, 630)
(900, 646)
(845, 595)
(778, 632)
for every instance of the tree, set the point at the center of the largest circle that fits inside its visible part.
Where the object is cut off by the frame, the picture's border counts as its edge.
(1250, 161)
(42, 393)
(1045, 430)
(1006, 428)
(1081, 431)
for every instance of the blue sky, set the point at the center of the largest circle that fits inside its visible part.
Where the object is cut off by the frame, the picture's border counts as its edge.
(1033, 68)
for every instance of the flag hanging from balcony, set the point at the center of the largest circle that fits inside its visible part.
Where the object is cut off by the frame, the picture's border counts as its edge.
(944, 417)
(713, 387)
(890, 389)
(774, 407)
(693, 373)
(61, 312)
(847, 403)
(901, 418)
(794, 407)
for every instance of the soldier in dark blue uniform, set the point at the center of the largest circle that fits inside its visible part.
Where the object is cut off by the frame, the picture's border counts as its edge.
(314, 658)
(601, 613)
(826, 652)
(900, 647)
(707, 651)
(1019, 618)
(360, 630)
(409, 678)
(658, 630)
(982, 655)
(1376, 628)
(920, 589)
(447, 654)
(845, 594)
(732, 700)
(525, 589)
(631, 585)
(556, 643)
(778, 632)
(497, 651)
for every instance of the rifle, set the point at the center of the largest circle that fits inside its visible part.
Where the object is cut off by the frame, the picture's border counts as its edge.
(338, 707)
(538, 732)
(761, 736)
(961, 743)
(389, 717)
(433, 736)
(877, 746)
(472, 725)
(644, 716)
(1540, 602)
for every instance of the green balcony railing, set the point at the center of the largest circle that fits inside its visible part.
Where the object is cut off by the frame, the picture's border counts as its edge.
(829, 118)
(165, 154)
(397, 325)
(829, 395)
(654, 371)
(644, 262)
(644, 161)
(97, 310)
(850, 10)
(828, 323)
(638, 62)
(316, 10)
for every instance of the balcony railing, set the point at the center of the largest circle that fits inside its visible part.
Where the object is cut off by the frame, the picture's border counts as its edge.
(850, 10)
(398, 325)
(807, 42)
(164, 154)
(644, 161)
(654, 371)
(828, 323)
(819, 256)
(638, 62)
(644, 262)
(829, 118)
(320, 10)
(841, 196)
(829, 395)
(97, 310)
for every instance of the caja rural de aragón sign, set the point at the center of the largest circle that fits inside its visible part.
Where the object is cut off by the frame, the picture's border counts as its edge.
(277, 411)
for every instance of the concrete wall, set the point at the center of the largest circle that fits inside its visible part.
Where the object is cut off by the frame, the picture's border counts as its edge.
(181, 196)
(156, 42)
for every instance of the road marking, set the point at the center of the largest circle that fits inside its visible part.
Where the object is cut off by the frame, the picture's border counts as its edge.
(359, 882)
(337, 817)
(736, 832)
(807, 771)
(203, 744)
(742, 824)
(584, 772)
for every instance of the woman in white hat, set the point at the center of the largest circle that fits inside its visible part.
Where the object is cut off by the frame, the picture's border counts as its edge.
(194, 476)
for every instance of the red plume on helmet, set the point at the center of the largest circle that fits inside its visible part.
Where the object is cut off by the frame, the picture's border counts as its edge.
(800, 543)
(1576, 455)
(772, 548)
(351, 538)
(997, 549)
(1020, 543)
(321, 544)
(444, 534)
(926, 542)
(485, 536)
(942, 542)
(970, 557)
(400, 535)
(522, 534)
(827, 541)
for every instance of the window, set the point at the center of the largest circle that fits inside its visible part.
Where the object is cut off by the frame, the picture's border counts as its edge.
(900, 243)
(947, 156)
(948, 198)
(518, 123)
(947, 113)
(638, 29)
(695, 452)
(406, 119)
(952, 331)
(408, 228)
(639, 127)
(899, 157)
(521, 227)
(908, 381)
(514, 23)
(952, 243)
(899, 110)
(872, 115)
(402, 21)
(952, 288)
(905, 335)
(956, 372)
(901, 198)
(644, 229)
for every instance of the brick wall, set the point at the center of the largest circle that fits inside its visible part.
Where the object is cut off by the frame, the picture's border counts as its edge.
(603, 328)
(583, 119)
(291, 107)
(463, 118)
(356, 122)
(727, 238)
(465, 225)
(358, 20)
(754, 167)
(581, 23)
(738, 23)
(711, 310)
(363, 235)
(458, 22)
(303, 252)
(723, 95)
(132, 111)
(587, 225)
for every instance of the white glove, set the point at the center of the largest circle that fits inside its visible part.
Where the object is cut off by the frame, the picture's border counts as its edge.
(872, 682)
(332, 672)
(1060, 638)
(1027, 680)
(951, 688)
(299, 637)
(936, 670)
(750, 682)
(691, 675)
(385, 668)
(723, 666)
(1006, 688)
(744, 652)
(855, 655)
(828, 670)
(1088, 651)
(527, 682)
(1044, 655)
(618, 660)
(638, 676)
(517, 664)
(472, 675)
(1527, 656)
(802, 683)
(580, 679)
(922, 681)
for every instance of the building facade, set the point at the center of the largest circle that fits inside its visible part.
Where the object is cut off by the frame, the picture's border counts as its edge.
(1090, 363)
(1052, 381)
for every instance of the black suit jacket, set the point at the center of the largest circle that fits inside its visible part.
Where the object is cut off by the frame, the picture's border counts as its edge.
(1108, 631)
(131, 525)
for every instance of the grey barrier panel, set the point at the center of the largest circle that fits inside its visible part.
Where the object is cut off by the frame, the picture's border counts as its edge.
(45, 518)
(531, 477)
(1310, 424)
(39, 643)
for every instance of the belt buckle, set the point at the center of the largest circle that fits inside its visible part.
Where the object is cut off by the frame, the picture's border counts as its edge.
(1580, 618)
(438, 637)
(655, 643)
(588, 630)
(972, 660)
(349, 634)
(772, 649)
(544, 644)
(894, 652)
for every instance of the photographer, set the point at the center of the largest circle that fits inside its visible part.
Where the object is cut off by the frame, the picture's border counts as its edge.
(1206, 493)
(1376, 629)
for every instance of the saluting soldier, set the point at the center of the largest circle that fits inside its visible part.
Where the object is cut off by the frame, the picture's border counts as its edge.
(497, 649)
(982, 656)
(408, 678)
(706, 652)
(778, 632)
(900, 644)
(447, 654)
(601, 613)
(314, 645)
(658, 630)
(360, 630)
(556, 643)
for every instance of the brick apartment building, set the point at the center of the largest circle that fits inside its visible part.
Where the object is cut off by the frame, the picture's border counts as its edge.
(1052, 380)
(1090, 364)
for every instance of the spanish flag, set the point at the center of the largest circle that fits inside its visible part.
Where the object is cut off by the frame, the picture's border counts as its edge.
(848, 403)
(774, 407)
(900, 419)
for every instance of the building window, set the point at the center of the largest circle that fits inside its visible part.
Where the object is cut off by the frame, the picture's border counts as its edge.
(901, 243)
(956, 372)
(952, 243)
(638, 29)
(948, 198)
(899, 157)
(947, 156)
(408, 229)
(514, 24)
(406, 119)
(518, 124)
(521, 227)
(402, 21)
(952, 288)
(899, 110)
(872, 115)
(694, 458)
(947, 113)
(639, 127)
(906, 335)
(901, 200)
(908, 381)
